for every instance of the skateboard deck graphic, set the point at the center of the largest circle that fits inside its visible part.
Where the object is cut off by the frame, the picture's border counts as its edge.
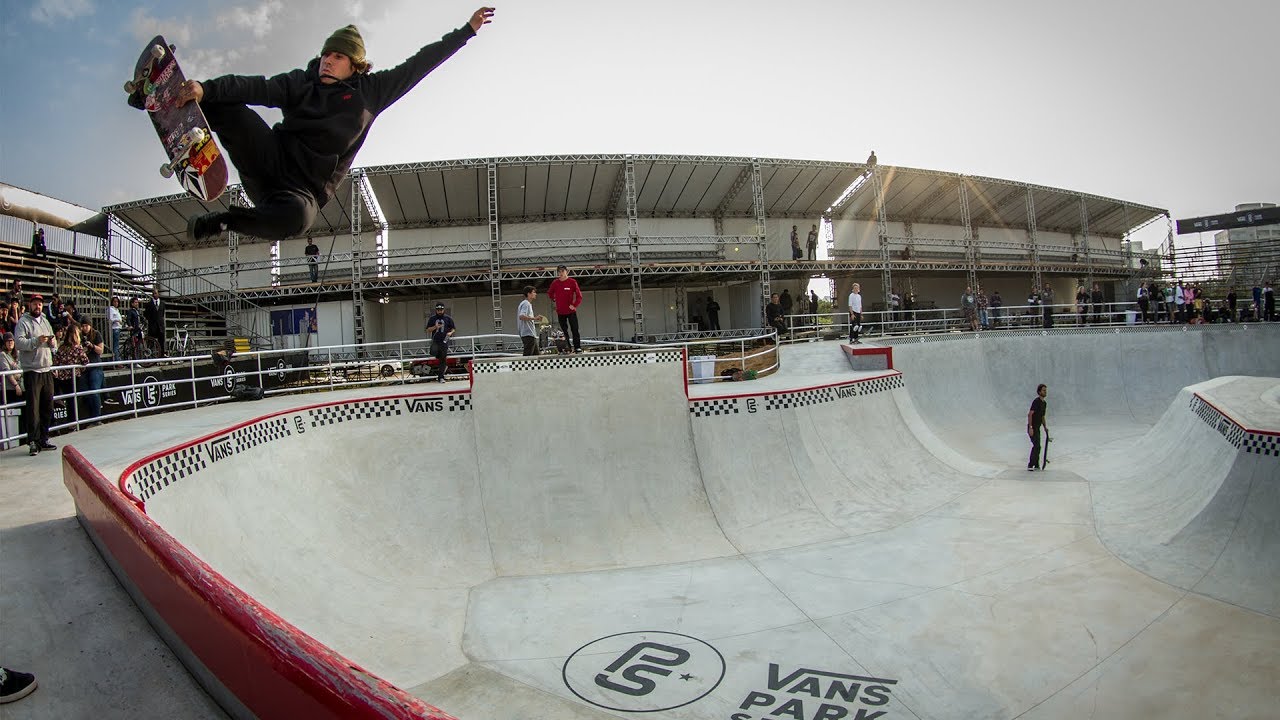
(193, 155)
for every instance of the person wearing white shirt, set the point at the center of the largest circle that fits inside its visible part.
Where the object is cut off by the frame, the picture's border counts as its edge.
(525, 320)
(116, 322)
(855, 313)
(1144, 302)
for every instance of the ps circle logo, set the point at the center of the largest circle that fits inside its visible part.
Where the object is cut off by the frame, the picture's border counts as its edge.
(647, 671)
(151, 396)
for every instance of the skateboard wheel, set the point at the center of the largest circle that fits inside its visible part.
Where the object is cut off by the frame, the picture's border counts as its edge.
(157, 51)
(129, 87)
(166, 170)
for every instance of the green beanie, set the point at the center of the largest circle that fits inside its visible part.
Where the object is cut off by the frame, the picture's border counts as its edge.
(347, 41)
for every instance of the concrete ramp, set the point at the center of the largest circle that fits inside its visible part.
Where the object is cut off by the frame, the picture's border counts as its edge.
(973, 391)
(590, 467)
(1196, 502)
(360, 522)
(575, 537)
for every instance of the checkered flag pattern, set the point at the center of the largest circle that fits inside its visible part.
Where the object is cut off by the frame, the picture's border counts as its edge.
(1262, 444)
(1257, 443)
(459, 403)
(583, 360)
(1225, 426)
(800, 398)
(158, 474)
(260, 433)
(709, 408)
(345, 412)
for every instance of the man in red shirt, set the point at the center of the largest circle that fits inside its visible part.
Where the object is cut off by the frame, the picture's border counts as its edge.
(567, 296)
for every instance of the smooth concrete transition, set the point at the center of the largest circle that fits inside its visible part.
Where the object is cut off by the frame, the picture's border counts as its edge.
(583, 540)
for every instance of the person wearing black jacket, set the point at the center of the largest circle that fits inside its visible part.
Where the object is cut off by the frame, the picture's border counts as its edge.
(773, 315)
(290, 171)
(154, 313)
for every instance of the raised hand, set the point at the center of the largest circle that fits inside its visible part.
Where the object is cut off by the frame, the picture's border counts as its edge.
(483, 16)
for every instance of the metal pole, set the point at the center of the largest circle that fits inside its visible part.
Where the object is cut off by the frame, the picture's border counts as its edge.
(633, 245)
(757, 205)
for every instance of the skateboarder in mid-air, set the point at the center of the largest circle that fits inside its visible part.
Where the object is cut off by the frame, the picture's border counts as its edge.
(291, 171)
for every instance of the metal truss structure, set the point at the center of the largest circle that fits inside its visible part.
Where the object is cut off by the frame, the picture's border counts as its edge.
(701, 186)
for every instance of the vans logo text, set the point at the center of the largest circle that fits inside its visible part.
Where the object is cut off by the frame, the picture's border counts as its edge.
(422, 405)
(220, 448)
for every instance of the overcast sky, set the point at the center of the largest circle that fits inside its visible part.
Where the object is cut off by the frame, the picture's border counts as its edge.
(1167, 103)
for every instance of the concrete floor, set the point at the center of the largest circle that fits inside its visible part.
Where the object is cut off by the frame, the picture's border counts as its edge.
(892, 541)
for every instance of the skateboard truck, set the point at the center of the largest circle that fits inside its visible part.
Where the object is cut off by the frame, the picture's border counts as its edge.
(191, 139)
(140, 81)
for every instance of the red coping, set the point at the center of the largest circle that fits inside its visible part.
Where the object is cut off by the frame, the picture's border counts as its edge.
(886, 351)
(272, 667)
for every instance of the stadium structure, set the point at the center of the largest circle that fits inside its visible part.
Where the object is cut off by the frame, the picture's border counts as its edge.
(648, 237)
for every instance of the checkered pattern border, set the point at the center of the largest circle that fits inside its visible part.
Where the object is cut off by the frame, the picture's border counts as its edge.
(1258, 444)
(803, 398)
(709, 408)
(158, 474)
(559, 362)
(261, 433)
(346, 412)
(1251, 442)
(794, 399)
(150, 479)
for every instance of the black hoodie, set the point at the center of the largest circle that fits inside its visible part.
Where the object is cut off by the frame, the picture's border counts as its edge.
(325, 125)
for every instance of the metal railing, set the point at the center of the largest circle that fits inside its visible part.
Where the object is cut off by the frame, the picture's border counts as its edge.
(1008, 317)
(316, 369)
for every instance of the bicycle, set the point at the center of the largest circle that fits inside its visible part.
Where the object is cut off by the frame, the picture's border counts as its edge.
(136, 348)
(181, 345)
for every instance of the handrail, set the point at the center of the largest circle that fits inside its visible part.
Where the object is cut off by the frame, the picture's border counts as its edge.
(168, 273)
(333, 364)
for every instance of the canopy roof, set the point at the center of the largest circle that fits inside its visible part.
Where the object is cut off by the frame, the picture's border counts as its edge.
(930, 196)
(570, 187)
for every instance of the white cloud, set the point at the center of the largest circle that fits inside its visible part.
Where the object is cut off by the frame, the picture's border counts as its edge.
(257, 19)
(146, 26)
(51, 11)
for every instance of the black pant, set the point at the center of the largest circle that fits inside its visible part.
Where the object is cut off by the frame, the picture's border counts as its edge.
(440, 351)
(530, 344)
(855, 325)
(570, 322)
(157, 332)
(1270, 312)
(1034, 460)
(280, 208)
(38, 390)
(780, 326)
(713, 320)
(1144, 306)
(1048, 316)
(813, 252)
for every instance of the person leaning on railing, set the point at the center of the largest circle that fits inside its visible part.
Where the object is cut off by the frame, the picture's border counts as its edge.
(9, 363)
(69, 352)
(92, 343)
(133, 318)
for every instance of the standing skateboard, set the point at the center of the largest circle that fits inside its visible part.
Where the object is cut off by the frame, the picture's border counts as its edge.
(193, 155)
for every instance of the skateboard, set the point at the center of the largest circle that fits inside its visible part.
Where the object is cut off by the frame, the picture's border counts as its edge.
(188, 142)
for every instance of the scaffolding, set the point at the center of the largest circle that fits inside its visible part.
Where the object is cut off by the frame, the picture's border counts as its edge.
(463, 193)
